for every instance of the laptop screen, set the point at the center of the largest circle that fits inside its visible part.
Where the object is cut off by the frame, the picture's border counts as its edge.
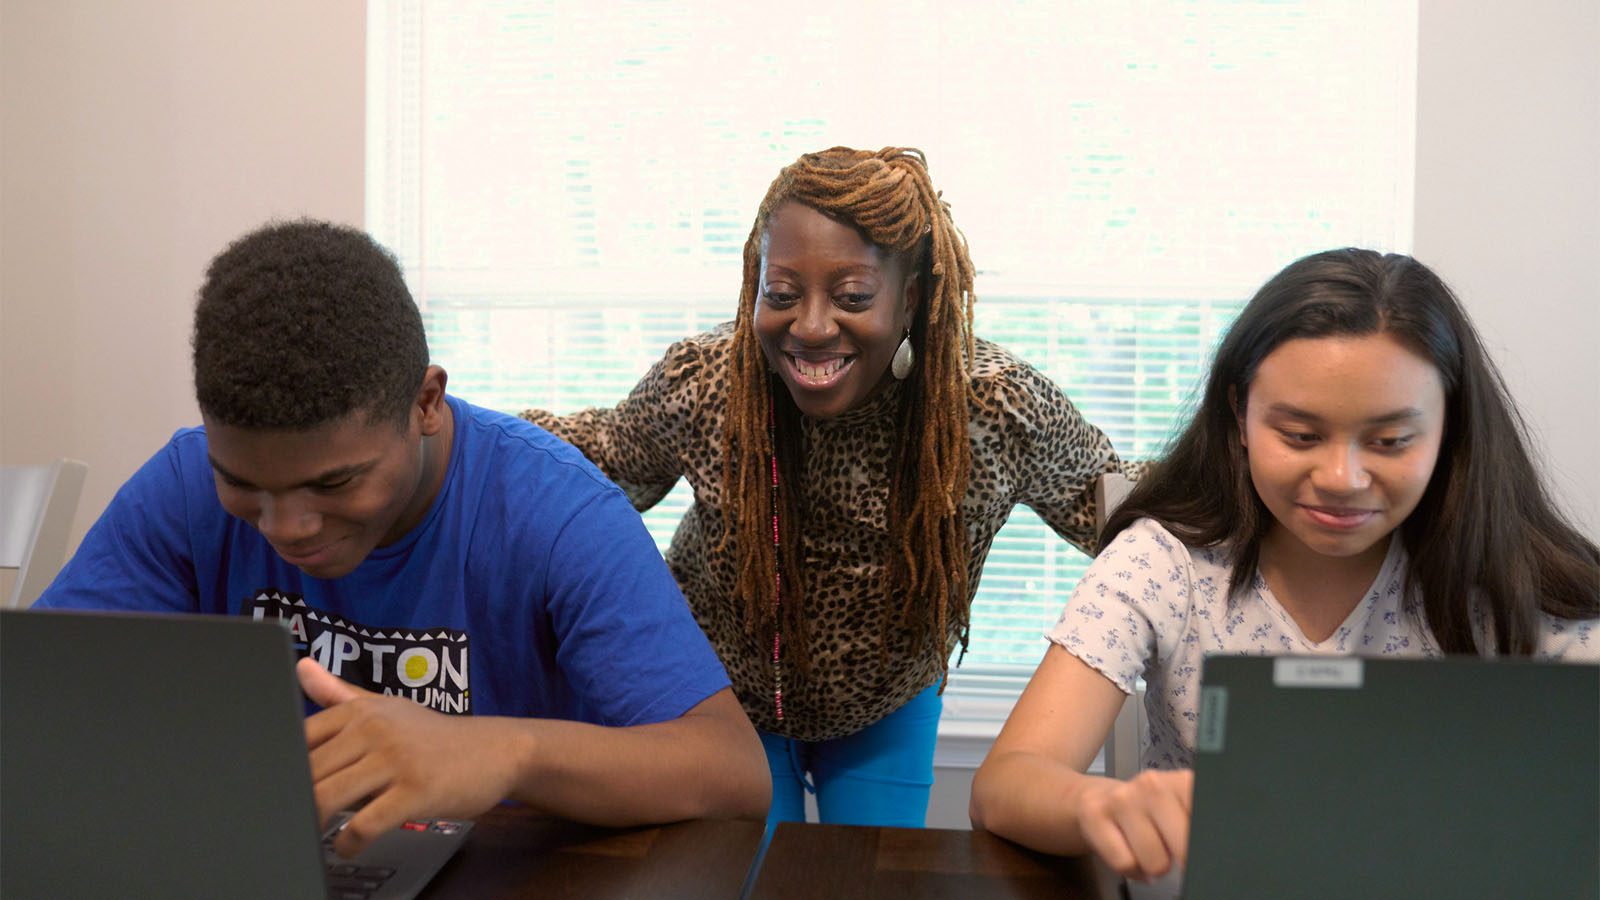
(1349, 777)
(152, 756)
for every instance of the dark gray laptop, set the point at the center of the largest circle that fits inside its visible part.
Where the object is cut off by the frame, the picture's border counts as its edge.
(165, 756)
(1372, 778)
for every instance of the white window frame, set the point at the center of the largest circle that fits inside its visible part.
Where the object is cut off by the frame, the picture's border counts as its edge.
(978, 696)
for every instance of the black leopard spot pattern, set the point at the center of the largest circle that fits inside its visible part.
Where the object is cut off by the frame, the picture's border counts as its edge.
(1029, 446)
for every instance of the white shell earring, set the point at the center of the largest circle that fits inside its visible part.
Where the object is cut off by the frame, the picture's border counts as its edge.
(904, 358)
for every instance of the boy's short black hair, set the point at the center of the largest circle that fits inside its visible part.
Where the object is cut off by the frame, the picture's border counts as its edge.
(303, 323)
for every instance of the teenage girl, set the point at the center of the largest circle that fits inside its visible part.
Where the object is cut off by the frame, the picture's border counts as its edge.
(1355, 481)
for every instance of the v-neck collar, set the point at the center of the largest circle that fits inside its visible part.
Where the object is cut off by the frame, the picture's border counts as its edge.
(1359, 614)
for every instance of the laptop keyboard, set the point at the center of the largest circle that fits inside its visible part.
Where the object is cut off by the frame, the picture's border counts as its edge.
(346, 880)
(360, 879)
(350, 882)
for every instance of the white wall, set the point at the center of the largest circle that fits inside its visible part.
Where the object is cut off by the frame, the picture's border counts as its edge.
(136, 140)
(1508, 207)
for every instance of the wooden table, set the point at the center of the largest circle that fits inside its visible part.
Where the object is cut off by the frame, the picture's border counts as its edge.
(841, 862)
(513, 853)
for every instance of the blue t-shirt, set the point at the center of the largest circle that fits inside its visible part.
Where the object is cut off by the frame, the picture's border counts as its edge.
(531, 588)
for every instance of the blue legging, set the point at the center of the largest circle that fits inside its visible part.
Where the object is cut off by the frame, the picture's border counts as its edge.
(881, 775)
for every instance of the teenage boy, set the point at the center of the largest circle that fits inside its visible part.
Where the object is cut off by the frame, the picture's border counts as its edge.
(481, 614)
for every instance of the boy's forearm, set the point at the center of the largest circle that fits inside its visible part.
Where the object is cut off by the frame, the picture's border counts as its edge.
(704, 764)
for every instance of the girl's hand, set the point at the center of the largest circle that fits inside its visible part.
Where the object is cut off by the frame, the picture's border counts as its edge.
(1140, 827)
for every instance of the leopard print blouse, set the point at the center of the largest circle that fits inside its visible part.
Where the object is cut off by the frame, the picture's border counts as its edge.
(1029, 446)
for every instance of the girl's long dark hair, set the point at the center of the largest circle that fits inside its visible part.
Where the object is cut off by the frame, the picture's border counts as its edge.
(1485, 528)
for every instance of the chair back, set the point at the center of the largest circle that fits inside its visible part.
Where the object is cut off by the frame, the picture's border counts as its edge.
(1126, 740)
(37, 505)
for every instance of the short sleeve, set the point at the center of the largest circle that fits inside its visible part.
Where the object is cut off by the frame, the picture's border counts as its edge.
(1131, 606)
(625, 637)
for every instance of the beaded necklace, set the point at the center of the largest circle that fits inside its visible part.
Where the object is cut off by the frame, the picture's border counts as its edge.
(777, 568)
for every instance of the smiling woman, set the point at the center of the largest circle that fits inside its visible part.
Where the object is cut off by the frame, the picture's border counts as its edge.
(853, 450)
(832, 310)
(1112, 256)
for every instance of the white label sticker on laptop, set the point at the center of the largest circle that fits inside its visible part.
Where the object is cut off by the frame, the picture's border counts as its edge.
(1301, 671)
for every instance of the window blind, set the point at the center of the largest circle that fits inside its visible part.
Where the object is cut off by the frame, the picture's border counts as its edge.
(569, 186)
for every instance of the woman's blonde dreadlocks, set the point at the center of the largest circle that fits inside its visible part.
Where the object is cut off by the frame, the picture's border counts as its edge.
(888, 196)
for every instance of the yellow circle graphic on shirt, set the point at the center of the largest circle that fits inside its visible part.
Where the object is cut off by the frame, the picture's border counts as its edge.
(417, 666)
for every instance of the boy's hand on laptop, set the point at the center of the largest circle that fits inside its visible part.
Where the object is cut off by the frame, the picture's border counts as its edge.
(407, 761)
(1139, 827)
